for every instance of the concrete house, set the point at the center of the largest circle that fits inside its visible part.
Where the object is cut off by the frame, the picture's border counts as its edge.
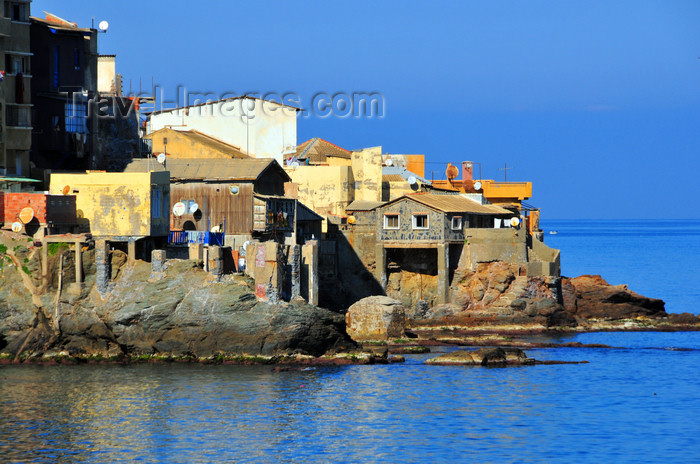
(15, 97)
(261, 128)
(122, 208)
(410, 226)
(64, 83)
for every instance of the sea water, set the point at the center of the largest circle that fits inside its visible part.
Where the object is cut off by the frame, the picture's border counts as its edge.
(636, 402)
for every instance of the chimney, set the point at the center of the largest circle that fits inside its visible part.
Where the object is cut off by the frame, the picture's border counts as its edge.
(467, 174)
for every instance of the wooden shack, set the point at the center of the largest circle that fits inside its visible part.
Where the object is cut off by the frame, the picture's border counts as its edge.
(244, 198)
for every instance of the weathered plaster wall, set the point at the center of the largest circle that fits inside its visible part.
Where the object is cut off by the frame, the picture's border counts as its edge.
(487, 245)
(118, 204)
(324, 189)
(261, 129)
(179, 146)
(367, 170)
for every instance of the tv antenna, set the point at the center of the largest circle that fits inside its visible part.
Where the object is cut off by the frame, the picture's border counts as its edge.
(505, 171)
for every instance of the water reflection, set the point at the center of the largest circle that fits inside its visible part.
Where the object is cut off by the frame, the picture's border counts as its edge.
(411, 412)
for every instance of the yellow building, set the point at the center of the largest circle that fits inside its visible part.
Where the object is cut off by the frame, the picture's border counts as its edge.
(15, 93)
(117, 204)
(191, 144)
(328, 189)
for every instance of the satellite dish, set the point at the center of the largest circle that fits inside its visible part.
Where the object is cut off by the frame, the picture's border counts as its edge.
(351, 219)
(179, 208)
(295, 164)
(66, 189)
(161, 158)
(477, 185)
(193, 208)
(234, 190)
(104, 25)
(412, 180)
(26, 215)
(17, 227)
(389, 162)
(244, 246)
(514, 222)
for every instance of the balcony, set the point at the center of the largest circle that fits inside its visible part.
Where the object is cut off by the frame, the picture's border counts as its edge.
(18, 116)
(185, 237)
(503, 190)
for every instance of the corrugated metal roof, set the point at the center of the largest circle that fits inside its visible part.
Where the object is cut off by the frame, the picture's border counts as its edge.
(455, 204)
(17, 179)
(363, 205)
(209, 169)
(402, 173)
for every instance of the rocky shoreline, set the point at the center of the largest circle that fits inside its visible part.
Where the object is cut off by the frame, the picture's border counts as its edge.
(187, 315)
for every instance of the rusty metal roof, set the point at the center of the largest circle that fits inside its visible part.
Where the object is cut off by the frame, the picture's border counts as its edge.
(393, 178)
(317, 150)
(363, 205)
(454, 204)
(210, 169)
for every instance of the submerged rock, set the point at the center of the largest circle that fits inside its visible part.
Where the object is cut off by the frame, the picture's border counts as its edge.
(494, 357)
(484, 357)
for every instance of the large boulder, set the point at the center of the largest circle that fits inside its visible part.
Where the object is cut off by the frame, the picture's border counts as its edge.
(375, 318)
(591, 297)
(186, 312)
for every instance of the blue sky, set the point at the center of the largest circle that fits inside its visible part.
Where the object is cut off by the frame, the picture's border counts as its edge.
(596, 102)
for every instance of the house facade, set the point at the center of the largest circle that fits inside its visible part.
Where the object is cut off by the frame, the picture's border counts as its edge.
(244, 198)
(16, 94)
(260, 128)
(64, 84)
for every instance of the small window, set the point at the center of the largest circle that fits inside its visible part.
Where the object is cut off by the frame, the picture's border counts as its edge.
(420, 221)
(76, 59)
(76, 118)
(391, 221)
(155, 203)
(456, 222)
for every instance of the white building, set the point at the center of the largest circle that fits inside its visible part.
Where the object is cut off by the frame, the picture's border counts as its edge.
(257, 127)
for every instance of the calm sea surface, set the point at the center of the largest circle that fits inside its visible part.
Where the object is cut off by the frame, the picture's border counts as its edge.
(639, 402)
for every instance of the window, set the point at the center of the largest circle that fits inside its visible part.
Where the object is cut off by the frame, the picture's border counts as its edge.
(456, 222)
(155, 203)
(420, 221)
(391, 221)
(55, 66)
(16, 64)
(76, 118)
(76, 59)
(17, 11)
(191, 206)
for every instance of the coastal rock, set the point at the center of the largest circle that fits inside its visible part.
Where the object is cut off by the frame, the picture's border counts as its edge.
(375, 318)
(496, 296)
(590, 296)
(185, 313)
(483, 357)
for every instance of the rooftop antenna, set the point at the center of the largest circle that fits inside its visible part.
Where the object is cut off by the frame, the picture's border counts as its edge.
(505, 171)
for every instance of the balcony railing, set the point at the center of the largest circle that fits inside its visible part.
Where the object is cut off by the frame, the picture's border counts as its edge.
(18, 116)
(185, 237)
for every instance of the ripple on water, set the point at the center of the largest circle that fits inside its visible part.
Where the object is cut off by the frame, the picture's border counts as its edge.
(626, 405)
